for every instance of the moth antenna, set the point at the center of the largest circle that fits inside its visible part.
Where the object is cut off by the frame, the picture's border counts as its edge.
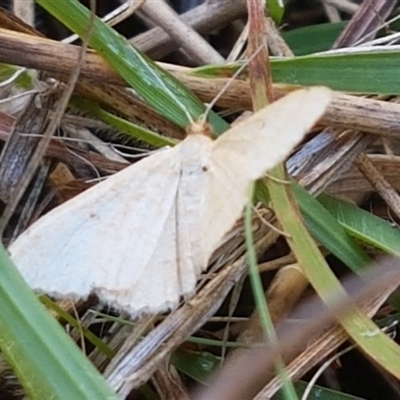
(204, 116)
(201, 126)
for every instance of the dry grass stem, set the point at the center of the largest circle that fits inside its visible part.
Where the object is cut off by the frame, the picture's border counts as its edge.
(381, 185)
(194, 45)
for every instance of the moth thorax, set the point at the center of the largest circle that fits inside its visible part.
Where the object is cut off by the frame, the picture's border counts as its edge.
(200, 127)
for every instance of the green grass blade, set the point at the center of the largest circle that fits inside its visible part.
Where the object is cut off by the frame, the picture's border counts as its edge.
(359, 72)
(261, 305)
(276, 8)
(328, 231)
(363, 225)
(156, 86)
(90, 336)
(47, 362)
(314, 38)
(198, 365)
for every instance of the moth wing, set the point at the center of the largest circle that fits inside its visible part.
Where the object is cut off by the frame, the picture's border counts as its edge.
(117, 239)
(257, 144)
(248, 150)
(192, 195)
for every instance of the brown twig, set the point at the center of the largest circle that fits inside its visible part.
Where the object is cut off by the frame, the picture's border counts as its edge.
(381, 185)
(365, 21)
(183, 35)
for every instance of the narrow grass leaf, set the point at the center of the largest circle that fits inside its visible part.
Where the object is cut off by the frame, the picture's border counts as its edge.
(262, 308)
(328, 231)
(276, 8)
(314, 38)
(358, 72)
(90, 336)
(47, 362)
(198, 365)
(363, 225)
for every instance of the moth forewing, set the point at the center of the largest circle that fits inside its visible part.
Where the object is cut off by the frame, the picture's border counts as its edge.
(104, 237)
(255, 145)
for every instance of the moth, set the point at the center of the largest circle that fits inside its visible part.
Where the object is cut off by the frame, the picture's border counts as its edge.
(140, 239)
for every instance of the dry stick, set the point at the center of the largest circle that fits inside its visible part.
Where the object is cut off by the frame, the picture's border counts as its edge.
(243, 379)
(204, 18)
(382, 186)
(122, 12)
(331, 12)
(41, 148)
(16, 157)
(345, 111)
(330, 162)
(259, 65)
(361, 114)
(354, 181)
(370, 14)
(237, 49)
(276, 43)
(183, 35)
(12, 22)
(116, 16)
(25, 9)
(344, 5)
(18, 149)
(282, 295)
(168, 383)
(31, 202)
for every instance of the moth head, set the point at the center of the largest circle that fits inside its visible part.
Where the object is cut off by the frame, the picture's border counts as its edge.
(200, 127)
